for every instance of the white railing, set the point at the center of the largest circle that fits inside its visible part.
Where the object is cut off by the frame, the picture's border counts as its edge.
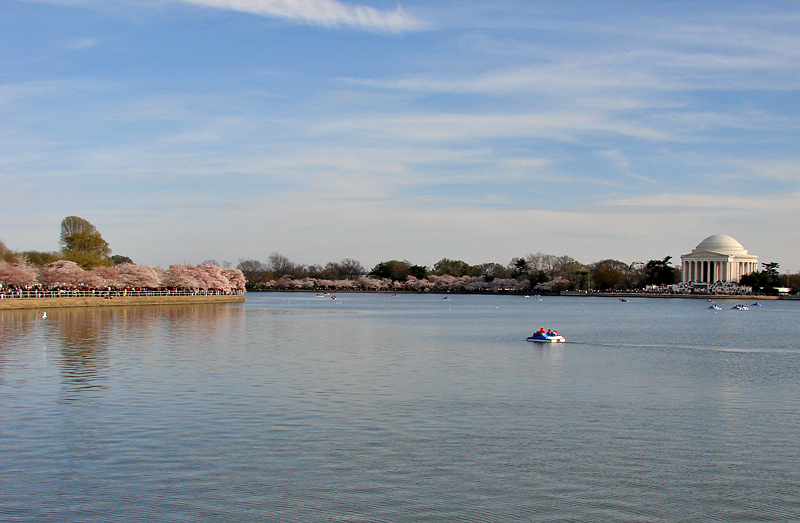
(113, 293)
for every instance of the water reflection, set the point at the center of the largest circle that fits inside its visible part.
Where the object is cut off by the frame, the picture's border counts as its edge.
(80, 341)
(369, 409)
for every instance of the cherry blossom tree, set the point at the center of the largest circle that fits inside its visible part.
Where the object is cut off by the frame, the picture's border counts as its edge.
(138, 276)
(17, 274)
(235, 278)
(61, 273)
(181, 277)
(103, 277)
(215, 278)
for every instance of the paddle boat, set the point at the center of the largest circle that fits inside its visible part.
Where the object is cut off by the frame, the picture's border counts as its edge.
(546, 337)
(715, 307)
(740, 308)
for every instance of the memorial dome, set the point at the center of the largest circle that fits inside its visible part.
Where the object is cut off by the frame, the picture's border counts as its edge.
(718, 258)
(722, 244)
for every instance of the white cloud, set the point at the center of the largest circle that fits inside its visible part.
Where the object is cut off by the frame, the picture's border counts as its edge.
(772, 204)
(328, 13)
(81, 43)
(446, 127)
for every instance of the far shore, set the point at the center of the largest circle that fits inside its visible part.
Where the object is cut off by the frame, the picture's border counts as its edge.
(121, 301)
(741, 297)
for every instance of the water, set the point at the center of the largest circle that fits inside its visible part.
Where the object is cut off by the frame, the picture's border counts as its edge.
(400, 409)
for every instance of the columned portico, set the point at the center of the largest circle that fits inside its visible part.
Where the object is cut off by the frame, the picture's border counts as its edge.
(718, 258)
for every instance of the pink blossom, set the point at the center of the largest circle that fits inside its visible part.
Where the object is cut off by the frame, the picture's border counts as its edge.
(138, 276)
(61, 273)
(216, 280)
(235, 278)
(18, 274)
(181, 277)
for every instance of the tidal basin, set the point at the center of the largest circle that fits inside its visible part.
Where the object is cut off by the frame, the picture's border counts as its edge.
(411, 408)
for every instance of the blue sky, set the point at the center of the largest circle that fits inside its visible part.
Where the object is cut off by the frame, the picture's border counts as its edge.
(188, 130)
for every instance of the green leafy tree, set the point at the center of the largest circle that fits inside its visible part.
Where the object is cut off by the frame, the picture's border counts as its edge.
(82, 243)
(764, 281)
(519, 267)
(455, 268)
(605, 278)
(611, 274)
(660, 272)
(395, 270)
(490, 271)
(420, 272)
(118, 259)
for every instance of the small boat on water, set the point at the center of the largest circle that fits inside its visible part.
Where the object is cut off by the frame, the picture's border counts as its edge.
(715, 307)
(545, 337)
(740, 308)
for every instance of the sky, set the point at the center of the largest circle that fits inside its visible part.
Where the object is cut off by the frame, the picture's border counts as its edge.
(193, 130)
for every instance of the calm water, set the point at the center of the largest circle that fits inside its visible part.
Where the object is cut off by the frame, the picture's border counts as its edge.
(400, 409)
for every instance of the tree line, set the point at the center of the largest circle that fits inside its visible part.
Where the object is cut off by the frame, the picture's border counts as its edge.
(82, 244)
(85, 262)
(533, 272)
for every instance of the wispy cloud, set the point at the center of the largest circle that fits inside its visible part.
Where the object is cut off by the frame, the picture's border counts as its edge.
(715, 202)
(448, 127)
(81, 43)
(327, 13)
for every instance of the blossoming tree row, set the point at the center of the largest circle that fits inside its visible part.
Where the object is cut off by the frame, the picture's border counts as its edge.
(64, 273)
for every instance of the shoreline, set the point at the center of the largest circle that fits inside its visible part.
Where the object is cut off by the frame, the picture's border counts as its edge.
(121, 301)
(568, 294)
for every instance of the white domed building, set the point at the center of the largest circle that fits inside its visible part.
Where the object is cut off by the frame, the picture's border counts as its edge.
(718, 258)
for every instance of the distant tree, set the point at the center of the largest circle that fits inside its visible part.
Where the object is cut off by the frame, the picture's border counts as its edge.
(582, 280)
(565, 267)
(519, 267)
(659, 272)
(39, 258)
(235, 277)
(254, 271)
(5, 253)
(394, 270)
(138, 276)
(610, 274)
(542, 262)
(18, 274)
(764, 281)
(771, 269)
(216, 280)
(280, 264)
(350, 269)
(181, 277)
(420, 272)
(793, 282)
(62, 273)
(80, 242)
(538, 277)
(606, 279)
(455, 268)
(490, 271)
(118, 259)
(347, 269)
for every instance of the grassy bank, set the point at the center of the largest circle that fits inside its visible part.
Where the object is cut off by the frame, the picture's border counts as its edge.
(122, 301)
